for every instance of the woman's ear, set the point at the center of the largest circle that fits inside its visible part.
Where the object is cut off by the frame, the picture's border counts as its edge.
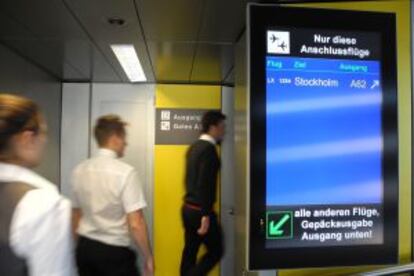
(24, 138)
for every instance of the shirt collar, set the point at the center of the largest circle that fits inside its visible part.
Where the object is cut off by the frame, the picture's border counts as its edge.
(107, 153)
(208, 138)
(15, 173)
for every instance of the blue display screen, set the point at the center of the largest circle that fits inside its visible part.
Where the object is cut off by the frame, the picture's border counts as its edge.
(323, 131)
(322, 136)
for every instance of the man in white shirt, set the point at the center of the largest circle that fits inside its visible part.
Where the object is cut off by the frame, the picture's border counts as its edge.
(108, 200)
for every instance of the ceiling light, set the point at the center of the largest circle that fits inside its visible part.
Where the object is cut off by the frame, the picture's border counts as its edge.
(116, 21)
(127, 57)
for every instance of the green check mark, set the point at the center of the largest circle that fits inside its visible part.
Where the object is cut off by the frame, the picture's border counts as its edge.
(275, 227)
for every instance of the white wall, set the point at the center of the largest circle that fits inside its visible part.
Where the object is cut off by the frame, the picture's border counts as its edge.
(241, 141)
(228, 184)
(18, 76)
(75, 129)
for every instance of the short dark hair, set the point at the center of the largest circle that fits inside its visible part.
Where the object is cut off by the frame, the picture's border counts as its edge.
(108, 125)
(211, 118)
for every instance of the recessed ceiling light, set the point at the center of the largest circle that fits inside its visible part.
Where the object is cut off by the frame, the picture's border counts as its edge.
(128, 58)
(116, 21)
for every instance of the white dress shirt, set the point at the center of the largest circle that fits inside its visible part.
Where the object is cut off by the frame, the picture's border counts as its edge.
(40, 230)
(106, 189)
(208, 138)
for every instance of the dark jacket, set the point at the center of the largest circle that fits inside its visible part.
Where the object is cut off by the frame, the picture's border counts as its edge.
(202, 169)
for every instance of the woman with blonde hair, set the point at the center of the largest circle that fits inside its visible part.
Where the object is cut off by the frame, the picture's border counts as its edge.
(35, 234)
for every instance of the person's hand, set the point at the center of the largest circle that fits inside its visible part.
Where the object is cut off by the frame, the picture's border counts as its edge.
(205, 224)
(149, 266)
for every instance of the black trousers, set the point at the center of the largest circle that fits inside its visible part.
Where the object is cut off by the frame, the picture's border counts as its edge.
(95, 258)
(213, 241)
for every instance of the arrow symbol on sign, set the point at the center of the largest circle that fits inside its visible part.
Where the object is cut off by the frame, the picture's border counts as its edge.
(375, 84)
(275, 227)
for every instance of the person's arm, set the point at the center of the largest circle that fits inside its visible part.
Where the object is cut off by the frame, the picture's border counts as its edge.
(76, 216)
(41, 233)
(207, 177)
(139, 232)
(134, 201)
(76, 210)
(204, 225)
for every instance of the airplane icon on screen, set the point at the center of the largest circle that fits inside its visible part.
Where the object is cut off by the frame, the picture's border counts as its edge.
(283, 46)
(278, 42)
(273, 38)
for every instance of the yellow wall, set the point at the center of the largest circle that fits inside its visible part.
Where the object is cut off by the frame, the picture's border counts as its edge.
(169, 176)
(402, 10)
(169, 160)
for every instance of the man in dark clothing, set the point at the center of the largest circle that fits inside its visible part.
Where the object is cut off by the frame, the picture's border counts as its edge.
(199, 219)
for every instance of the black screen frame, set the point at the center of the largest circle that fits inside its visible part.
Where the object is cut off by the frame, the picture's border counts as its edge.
(260, 18)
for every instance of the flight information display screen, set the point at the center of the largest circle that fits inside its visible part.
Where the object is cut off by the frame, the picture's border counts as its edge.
(324, 141)
(324, 153)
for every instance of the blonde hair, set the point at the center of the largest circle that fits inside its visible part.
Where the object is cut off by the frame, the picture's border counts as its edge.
(17, 114)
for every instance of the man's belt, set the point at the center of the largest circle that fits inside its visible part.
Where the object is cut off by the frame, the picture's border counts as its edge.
(192, 206)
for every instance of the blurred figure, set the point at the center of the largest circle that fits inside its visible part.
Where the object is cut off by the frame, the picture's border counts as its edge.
(35, 236)
(108, 200)
(199, 219)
